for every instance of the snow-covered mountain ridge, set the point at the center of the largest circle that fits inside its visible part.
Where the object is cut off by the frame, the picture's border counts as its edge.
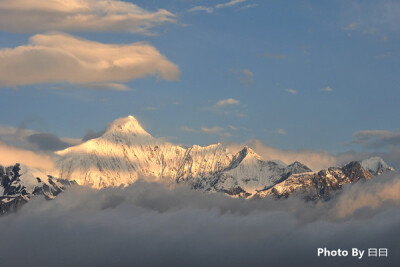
(318, 185)
(126, 152)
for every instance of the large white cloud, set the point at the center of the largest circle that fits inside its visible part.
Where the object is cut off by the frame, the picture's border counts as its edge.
(79, 15)
(56, 57)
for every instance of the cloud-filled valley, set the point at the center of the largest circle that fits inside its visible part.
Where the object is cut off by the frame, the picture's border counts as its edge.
(151, 224)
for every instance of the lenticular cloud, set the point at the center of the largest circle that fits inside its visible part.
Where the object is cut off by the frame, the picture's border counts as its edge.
(52, 58)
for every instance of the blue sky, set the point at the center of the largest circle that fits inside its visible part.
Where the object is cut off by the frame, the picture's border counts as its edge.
(293, 74)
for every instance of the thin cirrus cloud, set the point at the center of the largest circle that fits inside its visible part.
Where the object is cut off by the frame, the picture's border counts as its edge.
(275, 56)
(56, 57)
(227, 102)
(230, 3)
(371, 17)
(249, 6)
(109, 86)
(79, 15)
(327, 89)
(280, 131)
(187, 129)
(215, 130)
(212, 130)
(201, 8)
(218, 6)
(377, 138)
(291, 91)
(245, 77)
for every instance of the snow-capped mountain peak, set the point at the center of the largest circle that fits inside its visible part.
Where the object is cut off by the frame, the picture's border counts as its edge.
(123, 131)
(376, 165)
(126, 125)
(246, 155)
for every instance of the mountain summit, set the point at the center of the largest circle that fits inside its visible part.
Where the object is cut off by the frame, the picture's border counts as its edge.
(128, 125)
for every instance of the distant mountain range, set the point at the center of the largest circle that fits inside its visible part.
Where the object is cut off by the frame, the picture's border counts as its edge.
(126, 152)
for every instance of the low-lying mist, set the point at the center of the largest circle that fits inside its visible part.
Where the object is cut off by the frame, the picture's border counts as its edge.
(158, 225)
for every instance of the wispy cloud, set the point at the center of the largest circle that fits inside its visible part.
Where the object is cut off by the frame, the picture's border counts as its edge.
(377, 138)
(210, 9)
(226, 102)
(275, 56)
(249, 6)
(201, 8)
(327, 89)
(230, 3)
(280, 131)
(64, 58)
(372, 17)
(151, 108)
(383, 55)
(246, 77)
(291, 91)
(109, 86)
(215, 130)
(350, 27)
(78, 16)
(187, 129)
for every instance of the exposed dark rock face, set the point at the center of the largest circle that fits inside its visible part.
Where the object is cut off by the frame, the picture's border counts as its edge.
(18, 185)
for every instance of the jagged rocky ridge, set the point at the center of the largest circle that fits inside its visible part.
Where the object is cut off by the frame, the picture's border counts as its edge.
(19, 183)
(318, 185)
(126, 152)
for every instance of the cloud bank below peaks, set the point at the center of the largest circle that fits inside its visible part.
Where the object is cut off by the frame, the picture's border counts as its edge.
(10, 155)
(79, 15)
(55, 58)
(148, 224)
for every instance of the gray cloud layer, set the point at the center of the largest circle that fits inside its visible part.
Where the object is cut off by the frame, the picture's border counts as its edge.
(149, 224)
(49, 142)
(377, 138)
